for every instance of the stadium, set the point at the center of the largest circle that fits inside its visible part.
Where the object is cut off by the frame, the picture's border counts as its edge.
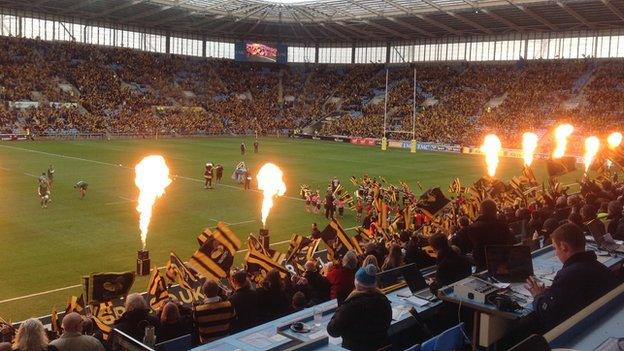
(311, 175)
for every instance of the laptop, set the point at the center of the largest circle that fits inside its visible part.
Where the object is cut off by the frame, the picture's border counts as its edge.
(509, 263)
(603, 240)
(416, 282)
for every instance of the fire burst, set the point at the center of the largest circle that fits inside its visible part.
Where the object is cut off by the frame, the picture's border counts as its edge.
(491, 148)
(152, 177)
(592, 145)
(271, 183)
(529, 145)
(561, 136)
(614, 140)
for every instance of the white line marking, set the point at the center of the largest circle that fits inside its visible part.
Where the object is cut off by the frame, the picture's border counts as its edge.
(79, 285)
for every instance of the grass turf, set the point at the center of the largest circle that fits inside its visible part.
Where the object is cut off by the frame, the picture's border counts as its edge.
(44, 250)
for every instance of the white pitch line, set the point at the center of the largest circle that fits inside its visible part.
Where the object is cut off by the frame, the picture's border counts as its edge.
(79, 285)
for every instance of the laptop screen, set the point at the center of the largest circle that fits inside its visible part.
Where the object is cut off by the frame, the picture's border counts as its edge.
(508, 263)
(413, 278)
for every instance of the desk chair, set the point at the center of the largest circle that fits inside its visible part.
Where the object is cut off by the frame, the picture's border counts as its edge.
(448, 340)
(181, 343)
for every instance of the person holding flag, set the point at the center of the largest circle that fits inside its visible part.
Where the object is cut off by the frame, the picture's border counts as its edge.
(43, 190)
(208, 176)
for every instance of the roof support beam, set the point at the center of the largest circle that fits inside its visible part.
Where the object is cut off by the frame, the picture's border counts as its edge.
(168, 19)
(412, 27)
(533, 15)
(439, 25)
(264, 15)
(302, 26)
(502, 20)
(387, 30)
(256, 9)
(460, 18)
(78, 5)
(613, 9)
(148, 13)
(118, 7)
(574, 14)
(335, 31)
(359, 31)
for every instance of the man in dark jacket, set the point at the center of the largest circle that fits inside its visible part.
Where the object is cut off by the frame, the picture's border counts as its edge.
(414, 252)
(136, 317)
(318, 285)
(245, 302)
(461, 237)
(581, 281)
(364, 318)
(487, 230)
(452, 266)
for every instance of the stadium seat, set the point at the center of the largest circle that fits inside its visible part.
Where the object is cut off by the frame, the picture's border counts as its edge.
(414, 348)
(534, 342)
(449, 340)
(181, 343)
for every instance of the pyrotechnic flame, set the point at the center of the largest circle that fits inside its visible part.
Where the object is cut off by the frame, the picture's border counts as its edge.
(561, 136)
(271, 183)
(529, 145)
(152, 177)
(491, 148)
(614, 140)
(592, 145)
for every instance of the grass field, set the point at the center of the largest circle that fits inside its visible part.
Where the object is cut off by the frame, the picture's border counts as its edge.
(45, 250)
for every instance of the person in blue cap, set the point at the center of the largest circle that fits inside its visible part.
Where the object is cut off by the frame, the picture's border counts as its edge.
(365, 316)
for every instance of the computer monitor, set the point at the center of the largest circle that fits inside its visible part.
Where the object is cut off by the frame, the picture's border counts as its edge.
(413, 278)
(597, 230)
(389, 277)
(508, 263)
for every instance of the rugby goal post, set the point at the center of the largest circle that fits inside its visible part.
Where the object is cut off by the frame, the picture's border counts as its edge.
(384, 139)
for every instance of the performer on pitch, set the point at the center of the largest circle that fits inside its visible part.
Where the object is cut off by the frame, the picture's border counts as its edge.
(43, 190)
(219, 171)
(255, 146)
(208, 176)
(243, 148)
(50, 175)
(82, 186)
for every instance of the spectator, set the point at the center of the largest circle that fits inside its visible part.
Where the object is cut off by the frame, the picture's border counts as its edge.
(136, 317)
(272, 299)
(72, 338)
(452, 266)
(581, 280)
(5, 346)
(394, 258)
(31, 336)
(299, 301)
(214, 317)
(370, 259)
(173, 323)
(486, 230)
(365, 316)
(461, 238)
(319, 286)
(341, 275)
(245, 302)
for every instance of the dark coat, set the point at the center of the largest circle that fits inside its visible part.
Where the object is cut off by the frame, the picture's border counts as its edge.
(452, 267)
(362, 321)
(245, 302)
(581, 281)
(273, 303)
(134, 322)
(461, 239)
(318, 287)
(487, 231)
(415, 254)
(171, 331)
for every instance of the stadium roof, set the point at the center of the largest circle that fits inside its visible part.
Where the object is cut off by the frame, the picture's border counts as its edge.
(340, 20)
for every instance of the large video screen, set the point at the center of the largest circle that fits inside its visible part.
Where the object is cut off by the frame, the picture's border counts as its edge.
(260, 52)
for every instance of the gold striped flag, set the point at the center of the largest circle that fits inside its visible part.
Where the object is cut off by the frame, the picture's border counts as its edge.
(258, 264)
(176, 271)
(54, 322)
(157, 289)
(75, 304)
(103, 327)
(301, 248)
(215, 258)
(338, 241)
(455, 187)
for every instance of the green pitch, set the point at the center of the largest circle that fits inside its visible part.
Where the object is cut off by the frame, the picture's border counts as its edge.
(48, 249)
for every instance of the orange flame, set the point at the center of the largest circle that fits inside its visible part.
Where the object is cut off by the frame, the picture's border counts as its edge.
(491, 148)
(592, 145)
(529, 145)
(614, 140)
(561, 136)
(271, 183)
(152, 177)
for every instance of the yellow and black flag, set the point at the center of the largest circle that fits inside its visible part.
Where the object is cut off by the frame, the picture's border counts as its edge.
(338, 241)
(258, 264)
(177, 272)
(455, 187)
(55, 324)
(75, 304)
(104, 328)
(301, 250)
(157, 289)
(215, 257)
(276, 256)
(432, 201)
(109, 286)
(560, 166)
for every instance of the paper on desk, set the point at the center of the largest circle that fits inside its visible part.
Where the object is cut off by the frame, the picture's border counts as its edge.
(397, 312)
(278, 338)
(319, 334)
(603, 259)
(502, 285)
(417, 301)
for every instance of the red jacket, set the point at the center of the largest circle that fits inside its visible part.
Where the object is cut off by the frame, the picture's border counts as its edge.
(341, 280)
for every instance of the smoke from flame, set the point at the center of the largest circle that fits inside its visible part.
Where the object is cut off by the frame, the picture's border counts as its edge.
(491, 148)
(614, 140)
(592, 145)
(152, 177)
(271, 183)
(561, 136)
(529, 145)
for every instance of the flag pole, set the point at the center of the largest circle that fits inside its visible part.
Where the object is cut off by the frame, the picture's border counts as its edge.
(413, 145)
(384, 140)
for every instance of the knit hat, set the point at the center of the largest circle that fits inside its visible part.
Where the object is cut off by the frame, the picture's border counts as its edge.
(367, 276)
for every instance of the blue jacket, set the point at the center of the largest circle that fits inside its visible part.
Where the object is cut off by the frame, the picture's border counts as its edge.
(581, 281)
